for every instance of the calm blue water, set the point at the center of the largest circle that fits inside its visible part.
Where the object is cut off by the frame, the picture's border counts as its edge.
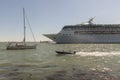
(42, 62)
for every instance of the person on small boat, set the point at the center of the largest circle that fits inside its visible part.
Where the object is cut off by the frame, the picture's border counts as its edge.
(16, 44)
(74, 52)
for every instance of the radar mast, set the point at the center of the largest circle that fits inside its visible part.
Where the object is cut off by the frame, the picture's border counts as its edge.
(90, 21)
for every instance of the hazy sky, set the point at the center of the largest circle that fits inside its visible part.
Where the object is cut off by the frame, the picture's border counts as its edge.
(49, 16)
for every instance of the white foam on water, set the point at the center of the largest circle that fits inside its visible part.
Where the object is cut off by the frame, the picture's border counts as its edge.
(98, 53)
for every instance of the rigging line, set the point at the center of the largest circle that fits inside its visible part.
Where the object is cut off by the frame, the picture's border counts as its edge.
(30, 27)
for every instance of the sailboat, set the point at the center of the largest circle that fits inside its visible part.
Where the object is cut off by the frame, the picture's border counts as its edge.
(21, 45)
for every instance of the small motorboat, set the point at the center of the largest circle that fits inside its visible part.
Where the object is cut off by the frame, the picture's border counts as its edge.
(65, 52)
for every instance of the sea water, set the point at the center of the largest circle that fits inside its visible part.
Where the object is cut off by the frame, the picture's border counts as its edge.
(91, 62)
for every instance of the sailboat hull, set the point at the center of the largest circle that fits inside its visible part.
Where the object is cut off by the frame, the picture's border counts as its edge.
(23, 47)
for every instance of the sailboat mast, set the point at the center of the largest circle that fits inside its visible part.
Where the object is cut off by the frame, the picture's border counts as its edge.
(24, 25)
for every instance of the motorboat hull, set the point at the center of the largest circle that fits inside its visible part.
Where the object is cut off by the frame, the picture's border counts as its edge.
(63, 52)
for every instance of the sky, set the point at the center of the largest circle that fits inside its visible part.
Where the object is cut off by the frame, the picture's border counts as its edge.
(49, 16)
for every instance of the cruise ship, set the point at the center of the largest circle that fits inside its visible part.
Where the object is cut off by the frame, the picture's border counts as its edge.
(87, 33)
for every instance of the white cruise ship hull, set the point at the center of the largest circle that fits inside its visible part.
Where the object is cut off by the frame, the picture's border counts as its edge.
(86, 38)
(91, 33)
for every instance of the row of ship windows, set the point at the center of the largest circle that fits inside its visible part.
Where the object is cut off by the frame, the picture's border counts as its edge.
(65, 34)
(95, 29)
(91, 32)
(107, 32)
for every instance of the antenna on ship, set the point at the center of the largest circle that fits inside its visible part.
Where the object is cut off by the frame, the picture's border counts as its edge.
(90, 21)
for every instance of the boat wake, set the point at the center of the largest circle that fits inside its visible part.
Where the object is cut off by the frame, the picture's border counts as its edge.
(98, 53)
